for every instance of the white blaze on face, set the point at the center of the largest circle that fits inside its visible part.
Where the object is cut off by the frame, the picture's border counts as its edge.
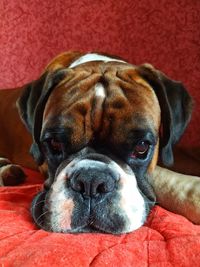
(93, 57)
(99, 96)
(100, 91)
(61, 206)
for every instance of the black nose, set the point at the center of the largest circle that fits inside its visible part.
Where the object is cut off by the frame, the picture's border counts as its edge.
(92, 182)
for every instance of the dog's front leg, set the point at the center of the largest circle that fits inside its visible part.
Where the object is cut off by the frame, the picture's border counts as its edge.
(177, 192)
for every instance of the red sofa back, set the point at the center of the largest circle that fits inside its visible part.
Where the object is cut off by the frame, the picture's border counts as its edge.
(163, 33)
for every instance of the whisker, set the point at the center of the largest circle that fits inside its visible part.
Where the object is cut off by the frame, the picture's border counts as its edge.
(38, 203)
(41, 215)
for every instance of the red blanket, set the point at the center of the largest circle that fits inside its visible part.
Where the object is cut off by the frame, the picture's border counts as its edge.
(166, 239)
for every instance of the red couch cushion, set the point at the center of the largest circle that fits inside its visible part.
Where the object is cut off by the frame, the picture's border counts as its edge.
(166, 239)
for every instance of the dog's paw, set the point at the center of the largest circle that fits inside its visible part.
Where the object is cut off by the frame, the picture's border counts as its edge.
(10, 174)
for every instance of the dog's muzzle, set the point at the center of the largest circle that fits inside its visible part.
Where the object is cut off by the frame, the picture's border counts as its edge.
(91, 194)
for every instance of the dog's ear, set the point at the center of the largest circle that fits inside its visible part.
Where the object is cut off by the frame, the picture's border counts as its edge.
(32, 102)
(176, 108)
(27, 102)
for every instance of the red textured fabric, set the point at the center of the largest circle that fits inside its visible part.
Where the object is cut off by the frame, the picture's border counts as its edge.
(165, 33)
(165, 240)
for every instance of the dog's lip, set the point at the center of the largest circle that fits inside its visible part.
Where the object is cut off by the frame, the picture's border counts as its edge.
(37, 211)
(37, 208)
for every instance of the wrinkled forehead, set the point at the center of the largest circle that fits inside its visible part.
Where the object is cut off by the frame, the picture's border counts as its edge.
(96, 95)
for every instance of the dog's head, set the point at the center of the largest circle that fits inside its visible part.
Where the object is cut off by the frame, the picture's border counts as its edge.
(98, 124)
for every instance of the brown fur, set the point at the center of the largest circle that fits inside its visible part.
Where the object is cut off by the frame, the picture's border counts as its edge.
(127, 93)
(15, 140)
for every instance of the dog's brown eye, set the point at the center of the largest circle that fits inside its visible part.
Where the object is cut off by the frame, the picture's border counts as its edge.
(140, 149)
(56, 145)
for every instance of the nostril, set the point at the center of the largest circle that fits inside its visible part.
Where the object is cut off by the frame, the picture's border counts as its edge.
(101, 188)
(79, 187)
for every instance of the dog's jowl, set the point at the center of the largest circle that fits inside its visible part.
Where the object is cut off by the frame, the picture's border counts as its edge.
(95, 125)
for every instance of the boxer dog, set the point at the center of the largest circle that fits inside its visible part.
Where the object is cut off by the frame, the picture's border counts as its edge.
(95, 125)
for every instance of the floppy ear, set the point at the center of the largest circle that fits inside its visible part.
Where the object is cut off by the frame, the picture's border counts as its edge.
(31, 106)
(176, 109)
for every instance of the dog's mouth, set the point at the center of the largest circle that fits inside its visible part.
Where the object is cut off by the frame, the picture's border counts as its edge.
(41, 215)
(92, 197)
(92, 220)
